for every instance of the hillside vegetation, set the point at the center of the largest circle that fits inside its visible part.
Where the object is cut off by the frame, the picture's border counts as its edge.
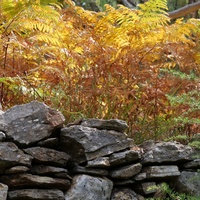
(134, 65)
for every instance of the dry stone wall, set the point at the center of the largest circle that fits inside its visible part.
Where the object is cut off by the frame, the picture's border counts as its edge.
(91, 159)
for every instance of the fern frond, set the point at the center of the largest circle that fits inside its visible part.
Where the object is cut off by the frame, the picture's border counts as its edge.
(180, 32)
(154, 12)
(11, 8)
(43, 12)
(46, 38)
(154, 6)
(50, 2)
(36, 25)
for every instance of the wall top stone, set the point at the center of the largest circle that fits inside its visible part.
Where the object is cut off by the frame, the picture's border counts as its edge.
(29, 123)
(166, 152)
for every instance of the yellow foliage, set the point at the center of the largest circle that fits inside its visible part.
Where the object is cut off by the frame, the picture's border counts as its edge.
(106, 64)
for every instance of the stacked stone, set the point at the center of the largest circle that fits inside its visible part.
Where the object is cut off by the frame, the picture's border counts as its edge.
(31, 167)
(91, 159)
(103, 157)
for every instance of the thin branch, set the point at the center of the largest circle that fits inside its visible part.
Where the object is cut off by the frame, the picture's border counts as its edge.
(129, 3)
(173, 14)
(184, 10)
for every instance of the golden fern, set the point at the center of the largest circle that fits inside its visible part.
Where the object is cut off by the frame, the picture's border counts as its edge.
(154, 12)
(26, 17)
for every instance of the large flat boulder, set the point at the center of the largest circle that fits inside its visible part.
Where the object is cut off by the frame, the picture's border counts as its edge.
(46, 170)
(85, 143)
(124, 157)
(112, 124)
(126, 172)
(26, 180)
(17, 170)
(48, 156)
(161, 172)
(166, 152)
(36, 194)
(29, 123)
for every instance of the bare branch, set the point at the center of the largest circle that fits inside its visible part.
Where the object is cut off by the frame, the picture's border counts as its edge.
(184, 10)
(129, 3)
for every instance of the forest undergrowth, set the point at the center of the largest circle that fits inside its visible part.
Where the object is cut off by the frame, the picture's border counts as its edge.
(134, 65)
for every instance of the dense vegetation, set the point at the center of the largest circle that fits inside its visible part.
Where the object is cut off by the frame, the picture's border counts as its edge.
(134, 65)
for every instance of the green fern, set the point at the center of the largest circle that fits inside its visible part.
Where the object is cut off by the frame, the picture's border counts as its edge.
(171, 194)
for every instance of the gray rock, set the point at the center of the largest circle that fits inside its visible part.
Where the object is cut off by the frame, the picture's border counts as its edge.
(126, 172)
(2, 136)
(166, 152)
(112, 124)
(31, 122)
(3, 191)
(3, 125)
(125, 157)
(125, 194)
(188, 182)
(140, 197)
(1, 111)
(146, 188)
(84, 143)
(10, 156)
(124, 182)
(87, 170)
(49, 143)
(195, 164)
(50, 171)
(36, 194)
(48, 156)
(141, 176)
(161, 172)
(101, 162)
(17, 170)
(46, 170)
(90, 188)
(63, 175)
(33, 181)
